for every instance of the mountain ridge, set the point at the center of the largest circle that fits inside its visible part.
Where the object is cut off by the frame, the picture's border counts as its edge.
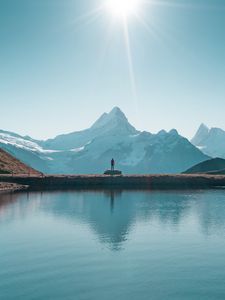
(89, 151)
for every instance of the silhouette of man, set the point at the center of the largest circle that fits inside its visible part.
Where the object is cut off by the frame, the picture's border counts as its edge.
(112, 164)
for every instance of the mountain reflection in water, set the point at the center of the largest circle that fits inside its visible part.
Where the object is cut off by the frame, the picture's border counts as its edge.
(112, 214)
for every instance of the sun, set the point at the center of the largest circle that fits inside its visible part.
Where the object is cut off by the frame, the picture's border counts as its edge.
(123, 8)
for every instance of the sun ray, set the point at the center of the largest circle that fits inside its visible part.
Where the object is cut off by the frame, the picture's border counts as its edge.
(88, 17)
(124, 11)
(151, 30)
(159, 35)
(181, 4)
(130, 62)
(102, 56)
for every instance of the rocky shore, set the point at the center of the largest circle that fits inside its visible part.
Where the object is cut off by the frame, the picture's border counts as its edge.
(6, 187)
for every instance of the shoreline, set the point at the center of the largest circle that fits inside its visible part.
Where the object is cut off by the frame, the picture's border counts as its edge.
(9, 187)
(153, 181)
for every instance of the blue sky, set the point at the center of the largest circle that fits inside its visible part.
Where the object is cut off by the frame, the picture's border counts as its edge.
(61, 66)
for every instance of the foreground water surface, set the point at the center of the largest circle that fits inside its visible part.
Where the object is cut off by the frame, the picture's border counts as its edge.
(112, 245)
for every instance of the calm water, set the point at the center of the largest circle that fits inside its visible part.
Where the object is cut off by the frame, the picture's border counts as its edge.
(112, 245)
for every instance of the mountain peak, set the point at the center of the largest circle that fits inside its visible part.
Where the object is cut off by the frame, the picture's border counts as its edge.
(116, 111)
(200, 135)
(173, 132)
(114, 120)
(203, 127)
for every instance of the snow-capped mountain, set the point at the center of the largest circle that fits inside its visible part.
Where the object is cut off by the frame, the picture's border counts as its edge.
(210, 141)
(109, 124)
(25, 149)
(90, 150)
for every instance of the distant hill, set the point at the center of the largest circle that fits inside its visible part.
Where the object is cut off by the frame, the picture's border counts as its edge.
(9, 164)
(213, 166)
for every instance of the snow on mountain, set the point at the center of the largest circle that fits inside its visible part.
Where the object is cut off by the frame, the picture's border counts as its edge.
(165, 152)
(90, 150)
(211, 141)
(20, 142)
(26, 150)
(113, 123)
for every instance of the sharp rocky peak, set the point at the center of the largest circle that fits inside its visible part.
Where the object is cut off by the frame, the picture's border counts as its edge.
(115, 116)
(116, 111)
(200, 135)
(203, 127)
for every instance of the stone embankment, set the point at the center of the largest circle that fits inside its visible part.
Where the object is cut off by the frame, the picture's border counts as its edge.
(59, 182)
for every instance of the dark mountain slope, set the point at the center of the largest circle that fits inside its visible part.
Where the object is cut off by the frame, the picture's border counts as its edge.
(214, 166)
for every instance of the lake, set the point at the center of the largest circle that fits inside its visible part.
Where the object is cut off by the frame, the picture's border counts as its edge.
(107, 245)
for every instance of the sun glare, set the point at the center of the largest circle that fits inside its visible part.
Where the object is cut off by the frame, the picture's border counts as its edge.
(123, 8)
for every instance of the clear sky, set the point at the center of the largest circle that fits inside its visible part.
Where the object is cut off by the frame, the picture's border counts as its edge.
(65, 62)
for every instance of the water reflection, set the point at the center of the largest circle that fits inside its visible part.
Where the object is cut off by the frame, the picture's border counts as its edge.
(113, 214)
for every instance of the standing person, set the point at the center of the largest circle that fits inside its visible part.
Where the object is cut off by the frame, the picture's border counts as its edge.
(112, 164)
